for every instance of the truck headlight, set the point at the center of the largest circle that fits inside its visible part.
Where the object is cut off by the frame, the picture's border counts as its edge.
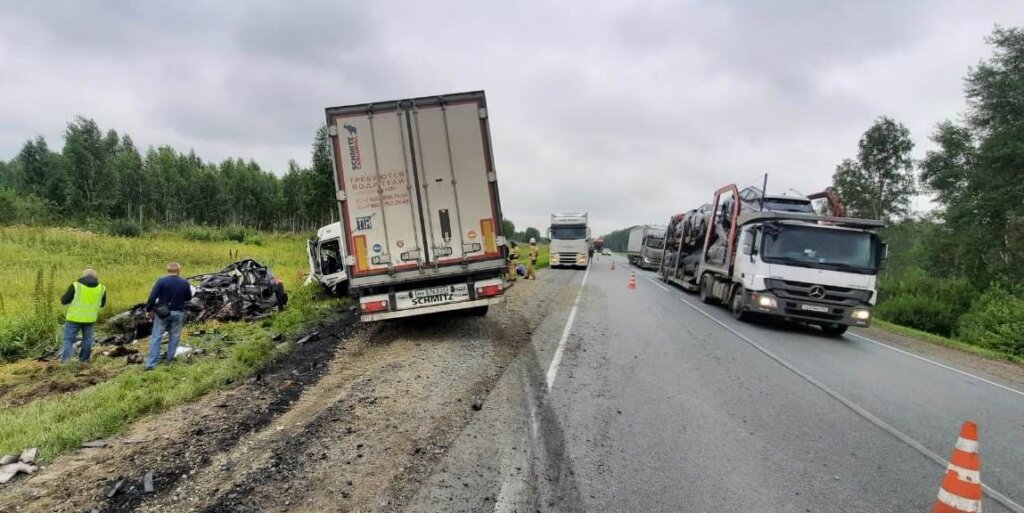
(647, 260)
(861, 314)
(764, 301)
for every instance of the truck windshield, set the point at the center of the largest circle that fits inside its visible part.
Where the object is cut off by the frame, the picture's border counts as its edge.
(821, 248)
(655, 242)
(569, 232)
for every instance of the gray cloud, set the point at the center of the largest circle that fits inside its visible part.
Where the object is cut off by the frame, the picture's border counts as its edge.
(629, 110)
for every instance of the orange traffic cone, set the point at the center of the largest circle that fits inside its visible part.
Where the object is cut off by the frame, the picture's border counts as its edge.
(632, 280)
(961, 488)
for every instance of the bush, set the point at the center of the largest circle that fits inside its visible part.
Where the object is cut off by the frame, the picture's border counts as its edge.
(996, 321)
(235, 232)
(124, 228)
(922, 302)
(16, 208)
(925, 314)
(202, 233)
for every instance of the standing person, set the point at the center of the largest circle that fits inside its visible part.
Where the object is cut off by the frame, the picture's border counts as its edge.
(166, 305)
(84, 299)
(513, 261)
(531, 270)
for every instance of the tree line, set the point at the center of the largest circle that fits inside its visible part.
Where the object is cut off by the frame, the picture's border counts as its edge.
(958, 270)
(101, 176)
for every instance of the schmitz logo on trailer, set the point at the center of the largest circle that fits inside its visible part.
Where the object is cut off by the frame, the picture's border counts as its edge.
(354, 156)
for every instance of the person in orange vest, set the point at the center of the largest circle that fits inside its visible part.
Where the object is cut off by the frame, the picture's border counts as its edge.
(531, 268)
(83, 299)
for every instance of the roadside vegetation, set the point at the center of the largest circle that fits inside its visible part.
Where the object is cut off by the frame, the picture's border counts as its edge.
(40, 262)
(57, 422)
(957, 272)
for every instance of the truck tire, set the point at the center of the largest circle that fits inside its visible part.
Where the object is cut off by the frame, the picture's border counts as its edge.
(833, 330)
(705, 290)
(738, 306)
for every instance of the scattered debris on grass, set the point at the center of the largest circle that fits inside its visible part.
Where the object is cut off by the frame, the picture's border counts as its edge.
(10, 467)
(245, 290)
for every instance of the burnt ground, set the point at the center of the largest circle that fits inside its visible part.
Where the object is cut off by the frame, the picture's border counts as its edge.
(353, 421)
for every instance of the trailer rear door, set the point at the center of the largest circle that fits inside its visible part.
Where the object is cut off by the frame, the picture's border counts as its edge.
(417, 183)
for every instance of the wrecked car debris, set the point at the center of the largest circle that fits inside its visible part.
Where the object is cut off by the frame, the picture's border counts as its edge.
(244, 290)
(24, 464)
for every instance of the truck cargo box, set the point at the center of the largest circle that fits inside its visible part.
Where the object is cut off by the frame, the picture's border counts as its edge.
(418, 197)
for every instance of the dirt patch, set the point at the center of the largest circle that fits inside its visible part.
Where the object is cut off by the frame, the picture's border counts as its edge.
(355, 421)
(26, 381)
(1011, 373)
(174, 446)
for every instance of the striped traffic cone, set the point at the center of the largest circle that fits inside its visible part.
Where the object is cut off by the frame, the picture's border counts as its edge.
(613, 264)
(961, 488)
(632, 280)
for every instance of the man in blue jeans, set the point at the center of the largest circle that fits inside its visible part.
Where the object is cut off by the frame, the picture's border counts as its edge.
(166, 306)
(83, 299)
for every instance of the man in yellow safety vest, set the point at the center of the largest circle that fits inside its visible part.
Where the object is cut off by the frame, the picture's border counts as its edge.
(83, 299)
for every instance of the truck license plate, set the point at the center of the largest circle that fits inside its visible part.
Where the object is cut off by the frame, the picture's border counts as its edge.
(432, 296)
(815, 308)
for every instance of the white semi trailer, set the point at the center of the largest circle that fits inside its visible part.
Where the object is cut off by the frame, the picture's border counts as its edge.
(420, 213)
(645, 246)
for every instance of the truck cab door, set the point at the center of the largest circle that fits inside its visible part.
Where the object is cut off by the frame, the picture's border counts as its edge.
(314, 260)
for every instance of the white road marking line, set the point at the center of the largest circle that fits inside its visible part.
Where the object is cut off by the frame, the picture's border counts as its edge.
(660, 286)
(912, 355)
(944, 366)
(557, 359)
(881, 424)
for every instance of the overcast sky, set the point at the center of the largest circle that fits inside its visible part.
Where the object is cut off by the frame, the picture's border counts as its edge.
(631, 111)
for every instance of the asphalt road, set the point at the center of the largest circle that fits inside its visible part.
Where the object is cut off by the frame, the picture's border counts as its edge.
(647, 400)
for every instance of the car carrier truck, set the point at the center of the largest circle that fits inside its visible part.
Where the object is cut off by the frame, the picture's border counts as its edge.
(420, 213)
(645, 246)
(570, 240)
(796, 265)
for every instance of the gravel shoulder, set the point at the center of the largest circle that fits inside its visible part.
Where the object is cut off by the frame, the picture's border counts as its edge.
(354, 421)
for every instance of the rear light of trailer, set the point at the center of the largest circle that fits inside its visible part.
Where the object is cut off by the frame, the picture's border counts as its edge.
(489, 290)
(374, 306)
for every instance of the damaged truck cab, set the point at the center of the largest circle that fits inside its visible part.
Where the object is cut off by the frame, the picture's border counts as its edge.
(327, 259)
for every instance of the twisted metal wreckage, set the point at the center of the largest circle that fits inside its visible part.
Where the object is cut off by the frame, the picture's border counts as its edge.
(244, 290)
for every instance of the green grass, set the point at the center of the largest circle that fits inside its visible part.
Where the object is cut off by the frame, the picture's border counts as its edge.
(543, 255)
(947, 342)
(38, 264)
(60, 422)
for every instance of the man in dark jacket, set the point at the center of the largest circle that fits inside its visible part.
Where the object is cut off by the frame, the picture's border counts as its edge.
(83, 299)
(166, 305)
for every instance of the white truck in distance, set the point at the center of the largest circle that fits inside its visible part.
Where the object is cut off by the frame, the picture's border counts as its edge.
(786, 262)
(570, 240)
(420, 214)
(645, 246)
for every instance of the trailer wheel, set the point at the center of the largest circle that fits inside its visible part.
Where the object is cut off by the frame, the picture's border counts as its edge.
(705, 290)
(833, 330)
(737, 305)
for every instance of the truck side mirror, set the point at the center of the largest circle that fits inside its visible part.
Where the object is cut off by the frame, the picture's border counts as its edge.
(883, 261)
(748, 248)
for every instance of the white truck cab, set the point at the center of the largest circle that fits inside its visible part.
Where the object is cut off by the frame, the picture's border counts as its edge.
(327, 258)
(570, 240)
